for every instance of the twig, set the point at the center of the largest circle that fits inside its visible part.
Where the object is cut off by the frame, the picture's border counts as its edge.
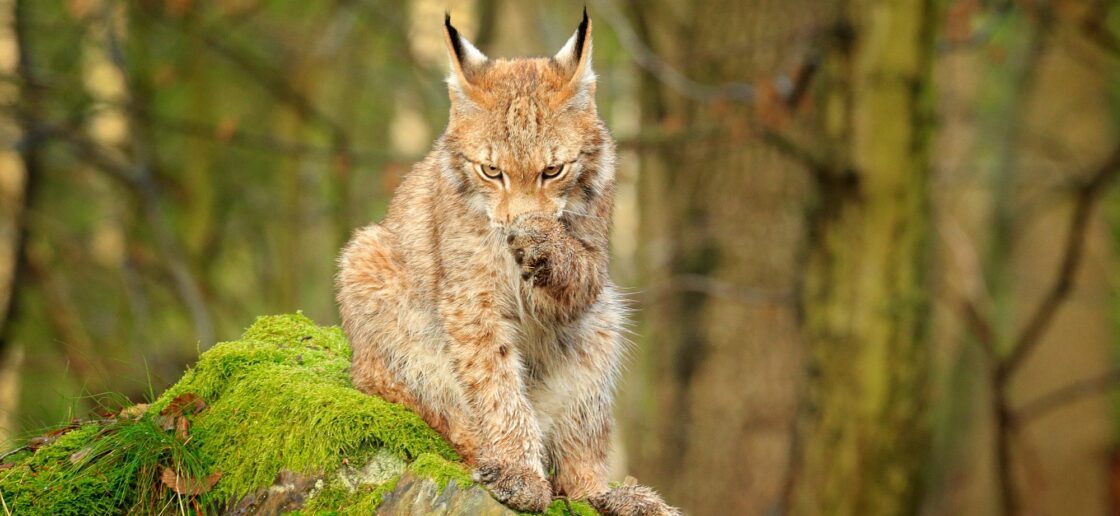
(823, 172)
(11, 452)
(1087, 197)
(1004, 367)
(138, 181)
(249, 140)
(275, 84)
(981, 329)
(1063, 396)
(648, 60)
(791, 88)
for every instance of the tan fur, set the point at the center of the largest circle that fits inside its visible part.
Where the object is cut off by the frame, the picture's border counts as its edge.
(484, 304)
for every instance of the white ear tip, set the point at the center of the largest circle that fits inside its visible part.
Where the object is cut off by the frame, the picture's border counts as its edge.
(566, 52)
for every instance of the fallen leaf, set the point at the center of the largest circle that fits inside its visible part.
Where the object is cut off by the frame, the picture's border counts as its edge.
(133, 412)
(188, 403)
(80, 455)
(182, 427)
(188, 486)
(166, 422)
(38, 442)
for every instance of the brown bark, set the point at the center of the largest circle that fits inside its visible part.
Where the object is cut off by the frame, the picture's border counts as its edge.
(31, 157)
(865, 295)
(721, 226)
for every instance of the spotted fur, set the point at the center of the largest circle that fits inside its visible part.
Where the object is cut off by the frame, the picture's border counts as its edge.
(482, 301)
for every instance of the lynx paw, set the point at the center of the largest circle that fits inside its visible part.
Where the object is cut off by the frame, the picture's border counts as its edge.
(632, 500)
(529, 241)
(517, 486)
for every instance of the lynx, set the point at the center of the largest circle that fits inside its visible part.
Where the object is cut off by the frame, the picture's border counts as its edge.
(482, 301)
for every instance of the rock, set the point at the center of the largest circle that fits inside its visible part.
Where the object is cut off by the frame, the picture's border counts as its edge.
(288, 494)
(269, 424)
(416, 496)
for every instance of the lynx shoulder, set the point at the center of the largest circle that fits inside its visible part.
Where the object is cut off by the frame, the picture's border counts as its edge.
(482, 300)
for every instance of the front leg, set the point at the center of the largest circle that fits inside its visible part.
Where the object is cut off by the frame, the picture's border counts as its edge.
(488, 367)
(574, 404)
(571, 272)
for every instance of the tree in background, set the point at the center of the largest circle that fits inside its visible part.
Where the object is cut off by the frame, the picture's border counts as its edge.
(831, 315)
(712, 208)
(721, 211)
(867, 307)
(189, 165)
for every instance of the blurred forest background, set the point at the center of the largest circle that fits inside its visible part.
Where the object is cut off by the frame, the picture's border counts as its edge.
(872, 244)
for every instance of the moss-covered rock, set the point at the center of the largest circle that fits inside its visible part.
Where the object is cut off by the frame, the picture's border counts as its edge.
(268, 423)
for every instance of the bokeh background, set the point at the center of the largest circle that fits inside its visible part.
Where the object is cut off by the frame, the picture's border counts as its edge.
(872, 245)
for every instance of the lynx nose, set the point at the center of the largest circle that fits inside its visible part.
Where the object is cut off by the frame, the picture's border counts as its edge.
(518, 207)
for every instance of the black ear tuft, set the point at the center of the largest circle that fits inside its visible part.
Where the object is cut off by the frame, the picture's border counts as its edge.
(453, 35)
(581, 35)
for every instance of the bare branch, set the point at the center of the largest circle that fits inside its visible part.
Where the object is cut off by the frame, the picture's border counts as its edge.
(1081, 389)
(981, 329)
(790, 89)
(257, 141)
(1043, 316)
(275, 83)
(822, 171)
(648, 60)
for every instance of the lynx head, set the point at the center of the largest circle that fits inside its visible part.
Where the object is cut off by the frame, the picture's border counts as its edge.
(523, 134)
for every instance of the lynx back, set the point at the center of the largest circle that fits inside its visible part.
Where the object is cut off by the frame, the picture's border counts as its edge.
(482, 301)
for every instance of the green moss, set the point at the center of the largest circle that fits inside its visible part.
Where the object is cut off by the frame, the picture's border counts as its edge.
(279, 398)
(441, 470)
(559, 508)
(46, 481)
(337, 499)
(99, 468)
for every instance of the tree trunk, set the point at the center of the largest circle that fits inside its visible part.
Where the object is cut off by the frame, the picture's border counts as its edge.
(721, 216)
(865, 299)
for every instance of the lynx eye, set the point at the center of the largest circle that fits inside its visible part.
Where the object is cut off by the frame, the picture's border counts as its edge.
(489, 172)
(553, 171)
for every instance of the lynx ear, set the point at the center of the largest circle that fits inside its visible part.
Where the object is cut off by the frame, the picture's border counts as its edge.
(575, 58)
(466, 60)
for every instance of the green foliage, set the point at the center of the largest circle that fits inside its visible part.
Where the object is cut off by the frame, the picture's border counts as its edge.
(101, 468)
(278, 399)
(47, 483)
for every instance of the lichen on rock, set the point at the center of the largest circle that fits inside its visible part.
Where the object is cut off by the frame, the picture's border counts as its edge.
(275, 426)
